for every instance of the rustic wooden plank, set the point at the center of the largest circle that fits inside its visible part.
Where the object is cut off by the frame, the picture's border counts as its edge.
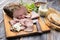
(44, 27)
(56, 35)
(2, 32)
(44, 36)
(36, 37)
(50, 35)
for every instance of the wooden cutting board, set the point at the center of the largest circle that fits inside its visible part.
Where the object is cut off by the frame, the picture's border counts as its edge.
(9, 33)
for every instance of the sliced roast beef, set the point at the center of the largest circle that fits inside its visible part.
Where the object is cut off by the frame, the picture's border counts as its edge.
(34, 15)
(14, 10)
(26, 22)
(9, 8)
(20, 13)
(12, 22)
(22, 24)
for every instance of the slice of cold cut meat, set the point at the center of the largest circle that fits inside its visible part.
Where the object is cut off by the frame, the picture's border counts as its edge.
(20, 13)
(27, 23)
(12, 22)
(34, 15)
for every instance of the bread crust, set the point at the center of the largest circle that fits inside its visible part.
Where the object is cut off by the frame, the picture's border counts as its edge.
(51, 25)
(54, 18)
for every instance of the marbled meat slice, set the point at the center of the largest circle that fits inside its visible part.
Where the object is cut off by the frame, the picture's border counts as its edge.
(12, 22)
(34, 15)
(20, 13)
(27, 23)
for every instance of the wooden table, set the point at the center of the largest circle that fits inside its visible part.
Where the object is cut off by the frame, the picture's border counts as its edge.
(52, 35)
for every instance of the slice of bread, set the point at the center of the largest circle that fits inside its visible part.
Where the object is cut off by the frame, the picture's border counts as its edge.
(49, 17)
(51, 25)
(54, 18)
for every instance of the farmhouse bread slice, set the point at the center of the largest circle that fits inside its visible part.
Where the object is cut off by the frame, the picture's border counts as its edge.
(56, 19)
(51, 25)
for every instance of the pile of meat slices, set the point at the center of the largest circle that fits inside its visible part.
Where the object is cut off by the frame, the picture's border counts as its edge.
(21, 19)
(21, 24)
